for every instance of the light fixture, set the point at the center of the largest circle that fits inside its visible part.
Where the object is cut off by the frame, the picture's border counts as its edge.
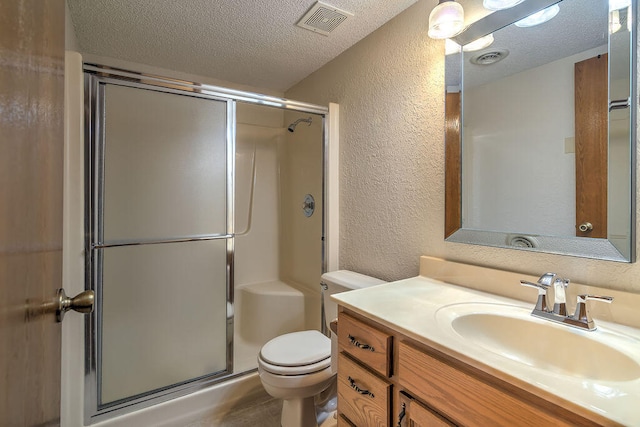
(500, 4)
(446, 20)
(618, 4)
(614, 21)
(539, 17)
(478, 44)
(451, 47)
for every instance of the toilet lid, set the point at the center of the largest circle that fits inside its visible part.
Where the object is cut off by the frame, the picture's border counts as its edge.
(297, 349)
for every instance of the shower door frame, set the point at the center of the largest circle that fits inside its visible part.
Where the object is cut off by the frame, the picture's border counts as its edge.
(96, 77)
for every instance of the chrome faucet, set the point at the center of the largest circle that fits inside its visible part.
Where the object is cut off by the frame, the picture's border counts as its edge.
(580, 319)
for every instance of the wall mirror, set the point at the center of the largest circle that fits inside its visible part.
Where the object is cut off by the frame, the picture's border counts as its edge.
(540, 130)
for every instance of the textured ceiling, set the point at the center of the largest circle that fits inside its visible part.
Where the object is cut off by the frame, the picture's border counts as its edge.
(251, 42)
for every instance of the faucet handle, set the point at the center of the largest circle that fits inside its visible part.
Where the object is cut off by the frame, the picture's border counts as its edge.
(547, 279)
(559, 296)
(541, 303)
(582, 313)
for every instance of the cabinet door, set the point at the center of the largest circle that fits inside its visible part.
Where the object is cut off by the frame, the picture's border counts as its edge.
(413, 414)
(470, 400)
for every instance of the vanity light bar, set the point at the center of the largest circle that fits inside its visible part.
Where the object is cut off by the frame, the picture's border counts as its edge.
(501, 18)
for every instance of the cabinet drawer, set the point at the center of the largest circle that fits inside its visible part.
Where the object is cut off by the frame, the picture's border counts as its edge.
(464, 398)
(365, 343)
(363, 397)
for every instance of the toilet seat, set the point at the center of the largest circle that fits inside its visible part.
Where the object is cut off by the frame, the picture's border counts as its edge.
(297, 353)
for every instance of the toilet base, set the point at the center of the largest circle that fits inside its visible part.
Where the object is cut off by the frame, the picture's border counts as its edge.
(299, 413)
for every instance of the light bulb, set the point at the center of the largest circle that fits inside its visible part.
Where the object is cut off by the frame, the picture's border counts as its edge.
(446, 20)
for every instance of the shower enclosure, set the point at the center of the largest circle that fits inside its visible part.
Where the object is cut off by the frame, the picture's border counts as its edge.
(204, 233)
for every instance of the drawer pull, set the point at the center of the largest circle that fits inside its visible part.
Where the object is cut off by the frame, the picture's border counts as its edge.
(402, 414)
(358, 344)
(353, 385)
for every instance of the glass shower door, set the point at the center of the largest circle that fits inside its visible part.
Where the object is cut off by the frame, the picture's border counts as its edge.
(160, 242)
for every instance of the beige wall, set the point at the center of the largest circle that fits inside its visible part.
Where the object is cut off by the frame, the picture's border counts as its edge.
(390, 89)
(70, 40)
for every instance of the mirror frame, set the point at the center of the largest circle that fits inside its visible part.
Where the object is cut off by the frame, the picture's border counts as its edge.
(597, 248)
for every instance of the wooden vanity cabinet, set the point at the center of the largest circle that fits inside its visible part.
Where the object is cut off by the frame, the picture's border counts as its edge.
(388, 379)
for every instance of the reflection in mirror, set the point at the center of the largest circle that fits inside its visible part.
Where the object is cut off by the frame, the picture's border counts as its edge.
(539, 142)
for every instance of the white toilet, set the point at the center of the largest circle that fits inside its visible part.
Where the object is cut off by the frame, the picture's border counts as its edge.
(296, 367)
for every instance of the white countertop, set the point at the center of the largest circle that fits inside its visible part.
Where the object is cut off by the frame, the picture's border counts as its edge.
(410, 307)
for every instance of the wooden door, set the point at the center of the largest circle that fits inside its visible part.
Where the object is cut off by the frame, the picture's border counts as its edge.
(31, 167)
(592, 137)
(453, 164)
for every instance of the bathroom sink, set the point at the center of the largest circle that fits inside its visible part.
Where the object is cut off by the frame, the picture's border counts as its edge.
(512, 333)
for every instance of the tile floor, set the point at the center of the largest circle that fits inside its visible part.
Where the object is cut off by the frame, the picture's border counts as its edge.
(264, 412)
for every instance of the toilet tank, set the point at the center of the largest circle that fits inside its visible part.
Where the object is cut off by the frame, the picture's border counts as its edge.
(341, 281)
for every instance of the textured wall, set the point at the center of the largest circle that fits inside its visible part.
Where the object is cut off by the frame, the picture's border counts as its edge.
(390, 122)
(390, 89)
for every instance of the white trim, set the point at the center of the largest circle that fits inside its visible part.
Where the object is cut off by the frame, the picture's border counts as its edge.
(72, 362)
(333, 189)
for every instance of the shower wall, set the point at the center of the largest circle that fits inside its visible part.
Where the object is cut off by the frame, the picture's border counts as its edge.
(278, 251)
(302, 173)
(258, 130)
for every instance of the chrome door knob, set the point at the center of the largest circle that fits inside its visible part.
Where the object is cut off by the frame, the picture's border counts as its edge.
(82, 303)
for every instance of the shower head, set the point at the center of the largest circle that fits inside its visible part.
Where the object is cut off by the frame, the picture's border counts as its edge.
(293, 125)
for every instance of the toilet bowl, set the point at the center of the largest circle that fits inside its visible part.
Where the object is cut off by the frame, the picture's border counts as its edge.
(296, 367)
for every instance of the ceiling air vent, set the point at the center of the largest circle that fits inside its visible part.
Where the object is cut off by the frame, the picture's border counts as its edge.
(490, 57)
(323, 18)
